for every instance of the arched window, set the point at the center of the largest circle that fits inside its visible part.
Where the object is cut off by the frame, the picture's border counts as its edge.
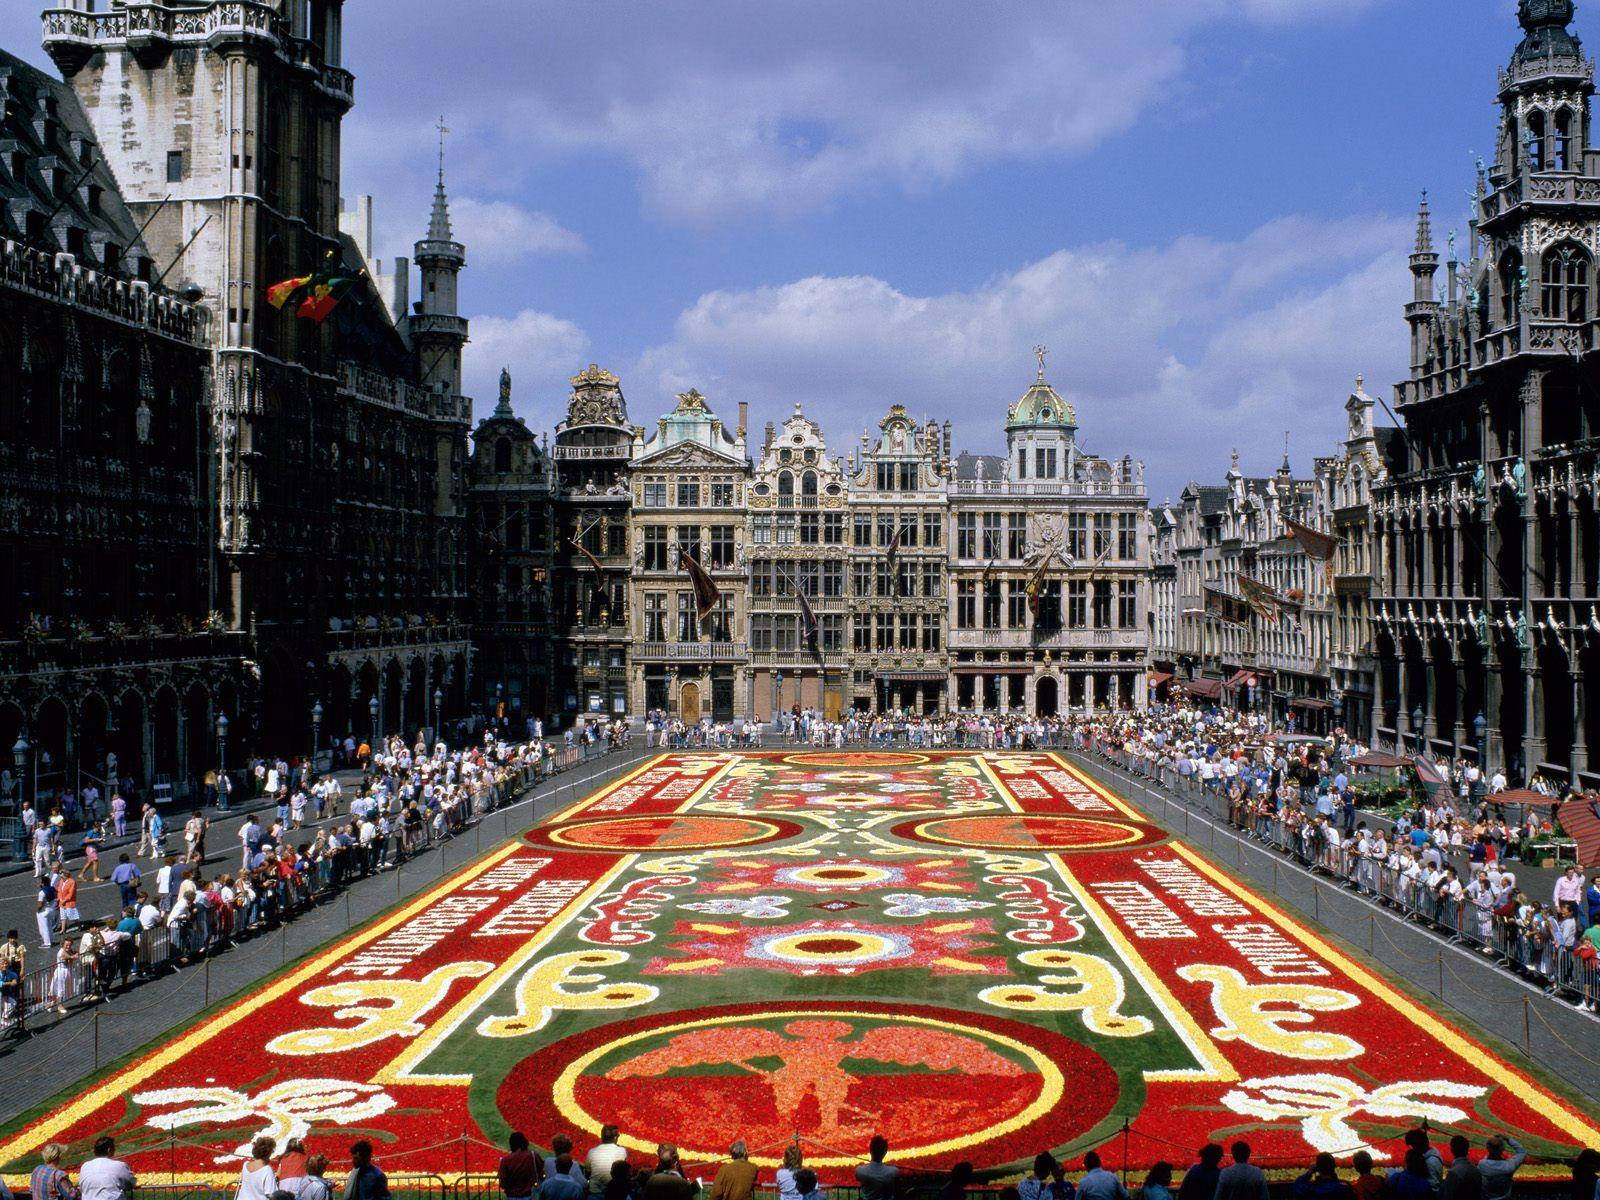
(502, 456)
(1513, 144)
(785, 488)
(1561, 157)
(1510, 287)
(808, 485)
(1534, 140)
(1564, 279)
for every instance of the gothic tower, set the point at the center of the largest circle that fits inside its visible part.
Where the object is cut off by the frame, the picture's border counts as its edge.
(437, 329)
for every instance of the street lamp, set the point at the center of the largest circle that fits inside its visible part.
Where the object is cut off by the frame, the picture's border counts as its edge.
(438, 711)
(1416, 726)
(1480, 726)
(316, 735)
(19, 754)
(372, 711)
(222, 761)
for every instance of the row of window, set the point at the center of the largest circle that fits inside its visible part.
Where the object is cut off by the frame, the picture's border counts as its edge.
(716, 554)
(687, 493)
(1005, 535)
(686, 625)
(1004, 604)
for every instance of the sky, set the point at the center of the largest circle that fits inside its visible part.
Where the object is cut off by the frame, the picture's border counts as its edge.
(1201, 207)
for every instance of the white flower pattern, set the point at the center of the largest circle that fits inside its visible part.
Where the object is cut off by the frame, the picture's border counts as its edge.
(290, 1109)
(1324, 1103)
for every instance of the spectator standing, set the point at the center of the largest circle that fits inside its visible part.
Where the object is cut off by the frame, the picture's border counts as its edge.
(955, 1188)
(1100, 1184)
(48, 1181)
(1462, 1180)
(1242, 1179)
(257, 1179)
(312, 1185)
(367, 1181)
(105, 1177)
(1158, 1183)
(559, 1182)
(736, 1179)
(519, 1169)
(1322, 1182)
(1200, 1180)
(1497, 1169)
(792, 1162)
(667, 1181)
(1368, 1184)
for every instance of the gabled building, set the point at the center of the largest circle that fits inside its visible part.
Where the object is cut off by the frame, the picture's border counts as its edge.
(512, 551)
(799, 535)
(593, 564)
(688, 483)
(896, 495)
(1077, 523)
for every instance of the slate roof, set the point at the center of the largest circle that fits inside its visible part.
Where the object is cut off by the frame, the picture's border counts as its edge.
(56, 191)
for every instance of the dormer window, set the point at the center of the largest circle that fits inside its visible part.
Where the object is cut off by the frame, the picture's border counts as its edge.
(1044, 413)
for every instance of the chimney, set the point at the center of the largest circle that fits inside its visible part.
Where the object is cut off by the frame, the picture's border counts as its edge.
(772, 432)
(744, 416)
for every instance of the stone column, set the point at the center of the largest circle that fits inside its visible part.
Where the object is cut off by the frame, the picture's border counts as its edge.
(1379, 700)
(1580, 745)
(1430, 708)
(1402, 718)
(1533, 740)
(1575, 547)
(1458, 734)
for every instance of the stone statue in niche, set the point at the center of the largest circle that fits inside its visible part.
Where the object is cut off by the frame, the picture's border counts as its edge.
(141, 422)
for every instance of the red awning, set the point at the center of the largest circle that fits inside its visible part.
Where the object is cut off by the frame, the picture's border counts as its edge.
(1241, 679)
(1379, 760)
(1157, 678)
(1308, 702)
(1582, 823)
(1524, 796)
(1209, 689)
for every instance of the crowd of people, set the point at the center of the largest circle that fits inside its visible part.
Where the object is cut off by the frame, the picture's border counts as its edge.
(173, 907)
(1449, 857)
(607, 1172)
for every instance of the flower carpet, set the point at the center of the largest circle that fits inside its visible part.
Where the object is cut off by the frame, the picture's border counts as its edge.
(978, 955)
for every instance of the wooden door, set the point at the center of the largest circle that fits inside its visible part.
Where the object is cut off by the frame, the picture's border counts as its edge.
(689, 703)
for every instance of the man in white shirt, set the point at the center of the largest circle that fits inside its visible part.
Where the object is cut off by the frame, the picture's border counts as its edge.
(104, 1177)
(602, 1158)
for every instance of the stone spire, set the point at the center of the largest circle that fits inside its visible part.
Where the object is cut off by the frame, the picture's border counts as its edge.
(1424, 223)
(439, 221)
(1424, 259)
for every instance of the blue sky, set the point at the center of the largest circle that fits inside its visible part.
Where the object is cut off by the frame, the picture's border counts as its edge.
(1202, 207)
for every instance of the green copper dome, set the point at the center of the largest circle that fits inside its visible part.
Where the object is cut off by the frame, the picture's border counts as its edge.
(1041, 407)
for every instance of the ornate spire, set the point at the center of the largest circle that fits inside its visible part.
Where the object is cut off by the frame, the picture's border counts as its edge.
(1285, 468)
(1547, 34)
(1424, 227)
(439, 221)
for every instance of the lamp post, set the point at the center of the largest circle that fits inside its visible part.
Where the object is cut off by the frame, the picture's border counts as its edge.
(372, 711)
(19, 755)
(1337, 705)
(1416, 726)
(1480, 726)
(438, 711)
(316, 735)
(222, 761)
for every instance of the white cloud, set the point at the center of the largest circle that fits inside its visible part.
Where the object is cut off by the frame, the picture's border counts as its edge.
(1171, 353)
(726, 109)
(498, 232)
(537, 348)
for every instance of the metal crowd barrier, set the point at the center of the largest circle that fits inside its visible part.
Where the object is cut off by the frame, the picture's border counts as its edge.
(152, 952)
(1530, 948)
